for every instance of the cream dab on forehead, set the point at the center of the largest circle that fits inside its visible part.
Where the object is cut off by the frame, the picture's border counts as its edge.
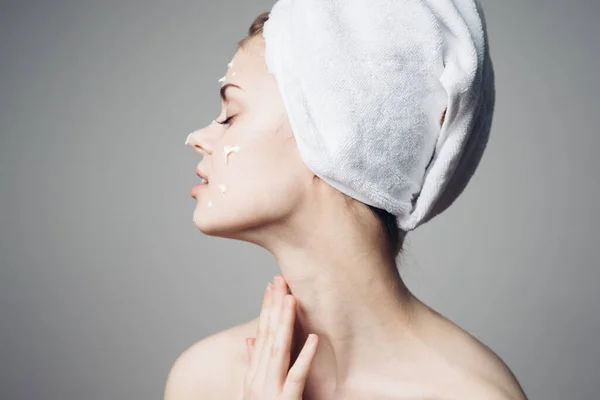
(222, 79)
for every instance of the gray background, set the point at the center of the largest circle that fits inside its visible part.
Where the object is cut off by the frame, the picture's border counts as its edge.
(105, 280)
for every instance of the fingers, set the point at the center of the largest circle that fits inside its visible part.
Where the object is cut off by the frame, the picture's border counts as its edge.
(269, 353)
(250, 348)
(296, 378)
(277, 303)
(261, 333)
(280, 352)
(277, 293)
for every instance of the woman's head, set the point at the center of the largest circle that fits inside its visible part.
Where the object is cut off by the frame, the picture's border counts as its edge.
(262, 185)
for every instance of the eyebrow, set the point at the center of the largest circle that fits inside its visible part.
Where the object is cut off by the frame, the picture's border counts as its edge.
(224, 89)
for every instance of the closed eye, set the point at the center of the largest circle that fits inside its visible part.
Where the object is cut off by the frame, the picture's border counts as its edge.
(226, 121)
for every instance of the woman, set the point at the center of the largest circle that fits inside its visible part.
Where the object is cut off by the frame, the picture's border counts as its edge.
(337, 255)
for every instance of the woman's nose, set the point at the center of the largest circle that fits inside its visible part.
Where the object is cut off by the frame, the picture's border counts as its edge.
(202, 140)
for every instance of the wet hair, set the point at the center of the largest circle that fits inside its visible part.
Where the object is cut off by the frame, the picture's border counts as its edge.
(395, 236)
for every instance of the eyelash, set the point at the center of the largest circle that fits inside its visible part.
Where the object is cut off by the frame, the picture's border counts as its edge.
(226, 121)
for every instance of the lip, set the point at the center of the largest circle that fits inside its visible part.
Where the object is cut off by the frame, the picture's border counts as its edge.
(202, 174)
(197, 188)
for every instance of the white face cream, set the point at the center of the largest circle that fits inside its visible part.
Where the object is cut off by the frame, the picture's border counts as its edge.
(225, 77)
(230, 149)
(222, 188)
(210, 203)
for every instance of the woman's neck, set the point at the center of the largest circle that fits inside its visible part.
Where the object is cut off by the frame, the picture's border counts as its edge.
(350, 294)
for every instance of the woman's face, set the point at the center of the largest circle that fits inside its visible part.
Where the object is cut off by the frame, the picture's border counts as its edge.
(263, 179)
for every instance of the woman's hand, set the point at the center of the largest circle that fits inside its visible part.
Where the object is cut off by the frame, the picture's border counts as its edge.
(267, 377)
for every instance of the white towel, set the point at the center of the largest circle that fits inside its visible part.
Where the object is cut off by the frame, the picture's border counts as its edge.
(365, 84)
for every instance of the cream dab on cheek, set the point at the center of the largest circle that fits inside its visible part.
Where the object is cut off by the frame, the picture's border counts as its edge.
(210, 204)
(228, 150)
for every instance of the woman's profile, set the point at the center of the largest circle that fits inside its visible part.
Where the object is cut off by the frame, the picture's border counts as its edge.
(338, 261)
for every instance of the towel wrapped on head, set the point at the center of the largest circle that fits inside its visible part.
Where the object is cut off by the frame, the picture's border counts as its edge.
(366, 84)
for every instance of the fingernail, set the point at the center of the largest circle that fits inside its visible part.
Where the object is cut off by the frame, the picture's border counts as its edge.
(312, 338)
(288, 302)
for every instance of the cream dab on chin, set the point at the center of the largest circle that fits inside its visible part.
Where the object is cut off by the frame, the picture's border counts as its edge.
(230, 149)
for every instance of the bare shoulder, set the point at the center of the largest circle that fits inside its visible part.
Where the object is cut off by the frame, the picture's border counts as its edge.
(207, 367)
(487, 376)
(477, 390)
(468, 368)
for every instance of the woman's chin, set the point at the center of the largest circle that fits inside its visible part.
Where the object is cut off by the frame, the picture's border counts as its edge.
(213, 225)
(208, 226)
(230, 228)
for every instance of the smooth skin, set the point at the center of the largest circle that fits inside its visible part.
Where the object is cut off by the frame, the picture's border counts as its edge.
(269, 353)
